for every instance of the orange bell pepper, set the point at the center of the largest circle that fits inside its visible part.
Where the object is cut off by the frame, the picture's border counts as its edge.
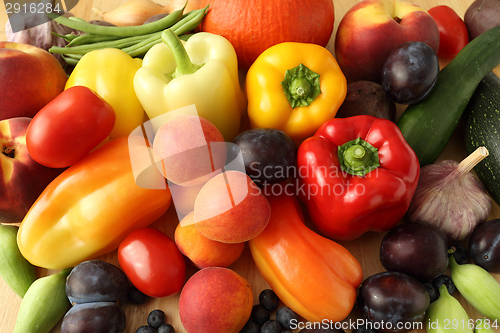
(89, 209)
(313, 275)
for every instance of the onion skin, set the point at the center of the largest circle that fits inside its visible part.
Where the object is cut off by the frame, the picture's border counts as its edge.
(455, 203)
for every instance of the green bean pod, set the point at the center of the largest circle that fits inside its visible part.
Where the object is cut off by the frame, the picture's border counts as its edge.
(161, 24)
(91, 38)
(446, 314)
(484, 325)
(44, 304)
(16, 271)
(478, 287)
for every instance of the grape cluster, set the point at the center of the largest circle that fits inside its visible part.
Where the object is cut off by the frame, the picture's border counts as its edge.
(261, 320)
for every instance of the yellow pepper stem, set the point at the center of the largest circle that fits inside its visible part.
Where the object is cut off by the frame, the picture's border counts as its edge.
(301, 86)
(184, 64)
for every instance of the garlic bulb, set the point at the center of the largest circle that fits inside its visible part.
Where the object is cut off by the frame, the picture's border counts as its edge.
(450, 197)
(131, 13)
(41, 35)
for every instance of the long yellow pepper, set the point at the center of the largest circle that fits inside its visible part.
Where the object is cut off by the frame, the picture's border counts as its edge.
(89, 209)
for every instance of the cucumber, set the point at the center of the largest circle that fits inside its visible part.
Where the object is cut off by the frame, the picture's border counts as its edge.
(428, 126)
(482, 128)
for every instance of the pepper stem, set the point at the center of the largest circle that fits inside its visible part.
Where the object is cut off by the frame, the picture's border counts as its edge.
(358, 157)
(301, 86)
(184, 64)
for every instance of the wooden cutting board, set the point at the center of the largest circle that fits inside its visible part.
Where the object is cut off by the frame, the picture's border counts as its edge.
(365, 249)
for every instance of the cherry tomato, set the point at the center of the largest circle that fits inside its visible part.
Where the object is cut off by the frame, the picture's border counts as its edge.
(453, 34)
(69, 127)
(152, 262)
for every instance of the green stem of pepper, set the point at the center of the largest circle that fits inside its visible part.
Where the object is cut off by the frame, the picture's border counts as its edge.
(301, 86)
(358, 157)
(184, 64)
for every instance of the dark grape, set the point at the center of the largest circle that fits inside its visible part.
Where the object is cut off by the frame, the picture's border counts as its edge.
(391, 300)
(410, 72)
(446, 280)
(270, 326)
(459, 253)
(145, 329)
(166, 328)
(259, 314)
(484, 245)
(286, 317)
(135, 296)
(156, 318)
(269, 300)
(415, 249)
(96, 281)
(431, 290)
(98, 317)
(250, 327)
(269, 155)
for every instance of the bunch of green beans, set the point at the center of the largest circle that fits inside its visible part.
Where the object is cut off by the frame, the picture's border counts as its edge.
(134, 40)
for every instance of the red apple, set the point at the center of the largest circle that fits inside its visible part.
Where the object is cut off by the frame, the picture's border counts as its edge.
(30, 77)
(371, 29)
(23, 179)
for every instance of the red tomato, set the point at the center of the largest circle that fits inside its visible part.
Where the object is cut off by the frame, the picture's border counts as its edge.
(69, 127)
(152, 262)
(453, 34)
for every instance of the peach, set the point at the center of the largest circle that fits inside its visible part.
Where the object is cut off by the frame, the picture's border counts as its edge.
(215, 300)
(22, 178)
(30, 77)
(204, 252)
(230, 208)
(371, 29)
(189, 150)
(184, 197)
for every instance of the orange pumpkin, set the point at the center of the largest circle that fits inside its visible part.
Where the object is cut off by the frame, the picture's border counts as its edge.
(255, 25)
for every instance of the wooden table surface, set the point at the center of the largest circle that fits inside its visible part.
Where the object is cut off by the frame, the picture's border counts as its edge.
(364, 249)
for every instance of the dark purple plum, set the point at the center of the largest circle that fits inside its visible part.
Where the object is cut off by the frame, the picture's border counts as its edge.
(484, 245)
(392, 301)
(269, 155)
(366, 97)
(410, 72)
(415, 249)
(96, 281)
(98, 317)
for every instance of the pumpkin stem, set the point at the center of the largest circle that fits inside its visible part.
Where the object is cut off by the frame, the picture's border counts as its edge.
(301, 86)
(184, 64)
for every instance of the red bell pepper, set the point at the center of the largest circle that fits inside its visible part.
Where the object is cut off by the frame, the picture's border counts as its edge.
(356, 174)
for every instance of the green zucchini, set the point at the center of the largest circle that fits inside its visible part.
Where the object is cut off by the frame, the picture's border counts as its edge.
(482, 128)
(428, 126)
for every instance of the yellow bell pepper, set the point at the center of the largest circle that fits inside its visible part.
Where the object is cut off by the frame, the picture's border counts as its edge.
(295, 88)
(90, 208)
(202, 71)
(110, 73)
